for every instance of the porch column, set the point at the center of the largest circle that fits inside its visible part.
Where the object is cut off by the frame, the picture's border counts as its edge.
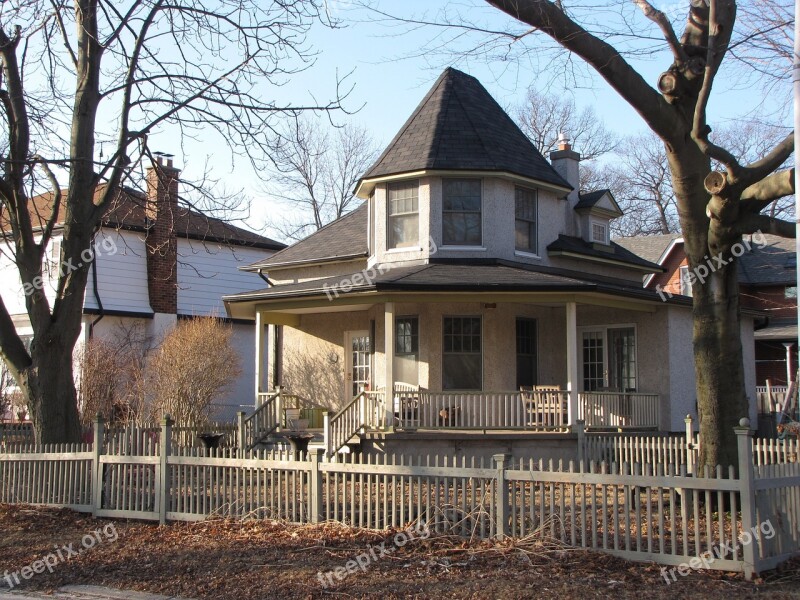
(388, 349)
(270, 380)
(789, 369)
(572, 360)
(259, 355)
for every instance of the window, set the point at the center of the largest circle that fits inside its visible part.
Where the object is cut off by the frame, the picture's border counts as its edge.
(403, 211)
(406, 349)
(790, 291)
(461, 212)
(54, 268)
(461, 356)
(609, 359)
(599, 232)
(525, 219)
(526, 352)
(686, 283)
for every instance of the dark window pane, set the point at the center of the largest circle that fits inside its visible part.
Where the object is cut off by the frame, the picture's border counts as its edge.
(461, 372)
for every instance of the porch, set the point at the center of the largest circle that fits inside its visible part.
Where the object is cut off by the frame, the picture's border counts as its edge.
(416, 410)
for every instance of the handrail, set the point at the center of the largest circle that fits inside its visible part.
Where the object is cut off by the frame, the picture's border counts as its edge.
(342, 426)
(264, 420)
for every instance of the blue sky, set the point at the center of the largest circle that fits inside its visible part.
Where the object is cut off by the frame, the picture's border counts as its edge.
(390, 76)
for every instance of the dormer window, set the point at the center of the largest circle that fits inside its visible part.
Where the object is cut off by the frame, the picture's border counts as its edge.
(403, 213)
(599, 232)
(525, 220)
(461, 212)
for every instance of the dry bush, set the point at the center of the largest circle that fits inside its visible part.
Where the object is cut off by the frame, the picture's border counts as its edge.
(112, 376)
(193, 366)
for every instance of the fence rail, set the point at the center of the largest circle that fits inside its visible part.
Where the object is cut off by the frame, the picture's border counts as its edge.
(653, 511)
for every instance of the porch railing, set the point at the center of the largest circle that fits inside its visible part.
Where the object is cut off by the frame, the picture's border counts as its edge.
(621, 410)
(534, 411)
(255, 428)
(365, 410)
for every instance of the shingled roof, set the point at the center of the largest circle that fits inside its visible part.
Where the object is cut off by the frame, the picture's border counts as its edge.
(649, 247)
(343, 239)
(459, 126)
(127, 212)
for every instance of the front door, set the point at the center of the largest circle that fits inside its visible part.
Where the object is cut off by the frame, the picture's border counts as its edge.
(358, 366)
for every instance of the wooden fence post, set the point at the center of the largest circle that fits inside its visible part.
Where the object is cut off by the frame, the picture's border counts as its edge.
(278, 407)
(579, 427)
(690, 449)
(241, 443)
(97, 466)
(315, 504)
(362, 408)
(162, 491)
(502, 496)
(326, 431)
(750, 554)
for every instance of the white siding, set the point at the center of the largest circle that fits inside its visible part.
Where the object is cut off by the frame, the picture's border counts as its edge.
(121, 258)
(208, 271)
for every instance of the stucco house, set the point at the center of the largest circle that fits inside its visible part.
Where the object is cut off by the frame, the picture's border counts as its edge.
(473, 290)
(767, 271)
(155, 262)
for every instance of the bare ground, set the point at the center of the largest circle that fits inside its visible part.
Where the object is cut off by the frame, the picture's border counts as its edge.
(258, 559)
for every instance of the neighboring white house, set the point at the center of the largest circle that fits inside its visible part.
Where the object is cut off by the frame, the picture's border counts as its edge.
(156, 262)
(473, 268)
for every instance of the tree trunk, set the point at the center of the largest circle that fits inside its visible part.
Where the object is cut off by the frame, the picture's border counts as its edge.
(49, 389)
(719, 369)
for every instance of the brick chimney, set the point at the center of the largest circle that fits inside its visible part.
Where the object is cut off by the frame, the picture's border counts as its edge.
(161, 211)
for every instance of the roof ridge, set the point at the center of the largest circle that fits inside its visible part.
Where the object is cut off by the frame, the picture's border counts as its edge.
(414, 116)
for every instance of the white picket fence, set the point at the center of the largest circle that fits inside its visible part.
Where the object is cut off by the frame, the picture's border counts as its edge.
(649, 511)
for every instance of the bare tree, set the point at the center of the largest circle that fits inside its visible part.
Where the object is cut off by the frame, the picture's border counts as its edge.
(143, 65)
(318, 167)
(542, 117)
(716, 205)
(642, 183)
(194, 364)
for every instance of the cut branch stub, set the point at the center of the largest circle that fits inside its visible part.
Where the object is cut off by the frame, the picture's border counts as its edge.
(715, 182)
(669, 83)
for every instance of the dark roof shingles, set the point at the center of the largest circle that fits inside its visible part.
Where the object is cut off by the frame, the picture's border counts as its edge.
(459, 126)
(343, 238)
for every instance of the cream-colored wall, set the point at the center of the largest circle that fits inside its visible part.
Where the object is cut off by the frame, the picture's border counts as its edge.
(312, 272)
(318, 344)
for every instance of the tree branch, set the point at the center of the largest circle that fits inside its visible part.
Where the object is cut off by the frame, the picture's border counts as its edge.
(604, 58)
(759, 195)
(755, 172)
(766, 224)
(660, 19)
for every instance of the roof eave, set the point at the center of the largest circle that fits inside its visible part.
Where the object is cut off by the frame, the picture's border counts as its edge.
(621, 263)
(260, 266)
(365, 186)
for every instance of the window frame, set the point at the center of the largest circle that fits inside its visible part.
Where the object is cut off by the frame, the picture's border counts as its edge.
(604, 225)
(480, 353)
(534, 248)
(466, 245)
(604, 329)
(390, 243)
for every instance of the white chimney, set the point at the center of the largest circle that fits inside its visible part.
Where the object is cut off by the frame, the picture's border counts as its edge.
(565, 161)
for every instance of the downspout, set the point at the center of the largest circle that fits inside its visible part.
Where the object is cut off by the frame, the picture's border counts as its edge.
(265, 278)
(96, 298)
